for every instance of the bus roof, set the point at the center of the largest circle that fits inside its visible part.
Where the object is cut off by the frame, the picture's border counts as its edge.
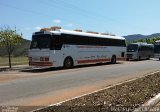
(62, 31)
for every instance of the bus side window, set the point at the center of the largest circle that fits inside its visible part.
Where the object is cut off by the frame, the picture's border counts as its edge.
(56, 43)
(52, 43)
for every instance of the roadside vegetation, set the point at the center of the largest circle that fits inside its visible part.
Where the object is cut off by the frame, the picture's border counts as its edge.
(9, 38)
(15, 61)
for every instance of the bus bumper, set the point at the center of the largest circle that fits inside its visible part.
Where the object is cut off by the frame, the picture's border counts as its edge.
(41, 64)
(132, 56)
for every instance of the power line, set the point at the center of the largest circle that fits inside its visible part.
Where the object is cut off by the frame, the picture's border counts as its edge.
(63, 8)
(35, 12)
(78, 12)
(90, 13)
(73, 8)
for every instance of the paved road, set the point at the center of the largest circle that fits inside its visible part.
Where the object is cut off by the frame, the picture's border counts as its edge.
(56, 85)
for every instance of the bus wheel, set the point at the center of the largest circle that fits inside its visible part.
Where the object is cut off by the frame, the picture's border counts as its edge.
(159, 58)
(68, 62)
(113, 60)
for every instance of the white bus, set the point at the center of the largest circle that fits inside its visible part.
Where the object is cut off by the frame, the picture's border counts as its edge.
(140, 51)
(64, 48)
(157, 49)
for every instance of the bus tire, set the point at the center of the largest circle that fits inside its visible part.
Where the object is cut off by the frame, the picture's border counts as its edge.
(68, 62)
(113, 59)
(159, 58)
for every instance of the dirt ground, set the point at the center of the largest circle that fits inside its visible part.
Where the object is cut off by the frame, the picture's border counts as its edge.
(124, 97)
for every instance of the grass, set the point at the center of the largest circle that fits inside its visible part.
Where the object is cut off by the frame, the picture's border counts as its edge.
(14, 61)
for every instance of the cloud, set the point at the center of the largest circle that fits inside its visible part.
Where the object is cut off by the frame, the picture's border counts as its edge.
(37, 28)
(70, 24)
(57, 21)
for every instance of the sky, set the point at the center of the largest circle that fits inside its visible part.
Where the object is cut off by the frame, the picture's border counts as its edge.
(120, 17)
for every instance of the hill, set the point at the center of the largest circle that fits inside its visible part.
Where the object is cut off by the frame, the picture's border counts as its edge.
(139, 36)
(20, 50)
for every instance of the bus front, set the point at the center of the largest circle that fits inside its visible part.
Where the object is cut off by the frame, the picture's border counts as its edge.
(157, 49)
(132, 50)
(39, 52)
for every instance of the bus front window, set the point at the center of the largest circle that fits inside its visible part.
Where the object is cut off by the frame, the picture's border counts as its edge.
(40, 41)
(132, 48)
(157, 48)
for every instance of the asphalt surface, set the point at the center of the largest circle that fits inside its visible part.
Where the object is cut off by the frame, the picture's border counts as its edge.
(51, 82)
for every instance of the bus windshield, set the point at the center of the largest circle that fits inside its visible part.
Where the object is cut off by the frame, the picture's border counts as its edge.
(40, 41)
(157, 48)
(132, 48)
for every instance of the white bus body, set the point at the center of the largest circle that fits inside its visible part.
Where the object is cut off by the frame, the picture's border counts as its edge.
(157, 49)
(70, 48)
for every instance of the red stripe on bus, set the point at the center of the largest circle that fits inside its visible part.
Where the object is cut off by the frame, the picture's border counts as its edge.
(41, 63)
(93, 61)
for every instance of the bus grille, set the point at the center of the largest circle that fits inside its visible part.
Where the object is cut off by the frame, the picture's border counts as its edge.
(129, 55)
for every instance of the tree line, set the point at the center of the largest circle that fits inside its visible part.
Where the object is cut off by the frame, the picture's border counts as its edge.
(146, 40)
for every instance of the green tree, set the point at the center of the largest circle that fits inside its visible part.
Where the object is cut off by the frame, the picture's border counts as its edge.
(147, 40)
(9, 38)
